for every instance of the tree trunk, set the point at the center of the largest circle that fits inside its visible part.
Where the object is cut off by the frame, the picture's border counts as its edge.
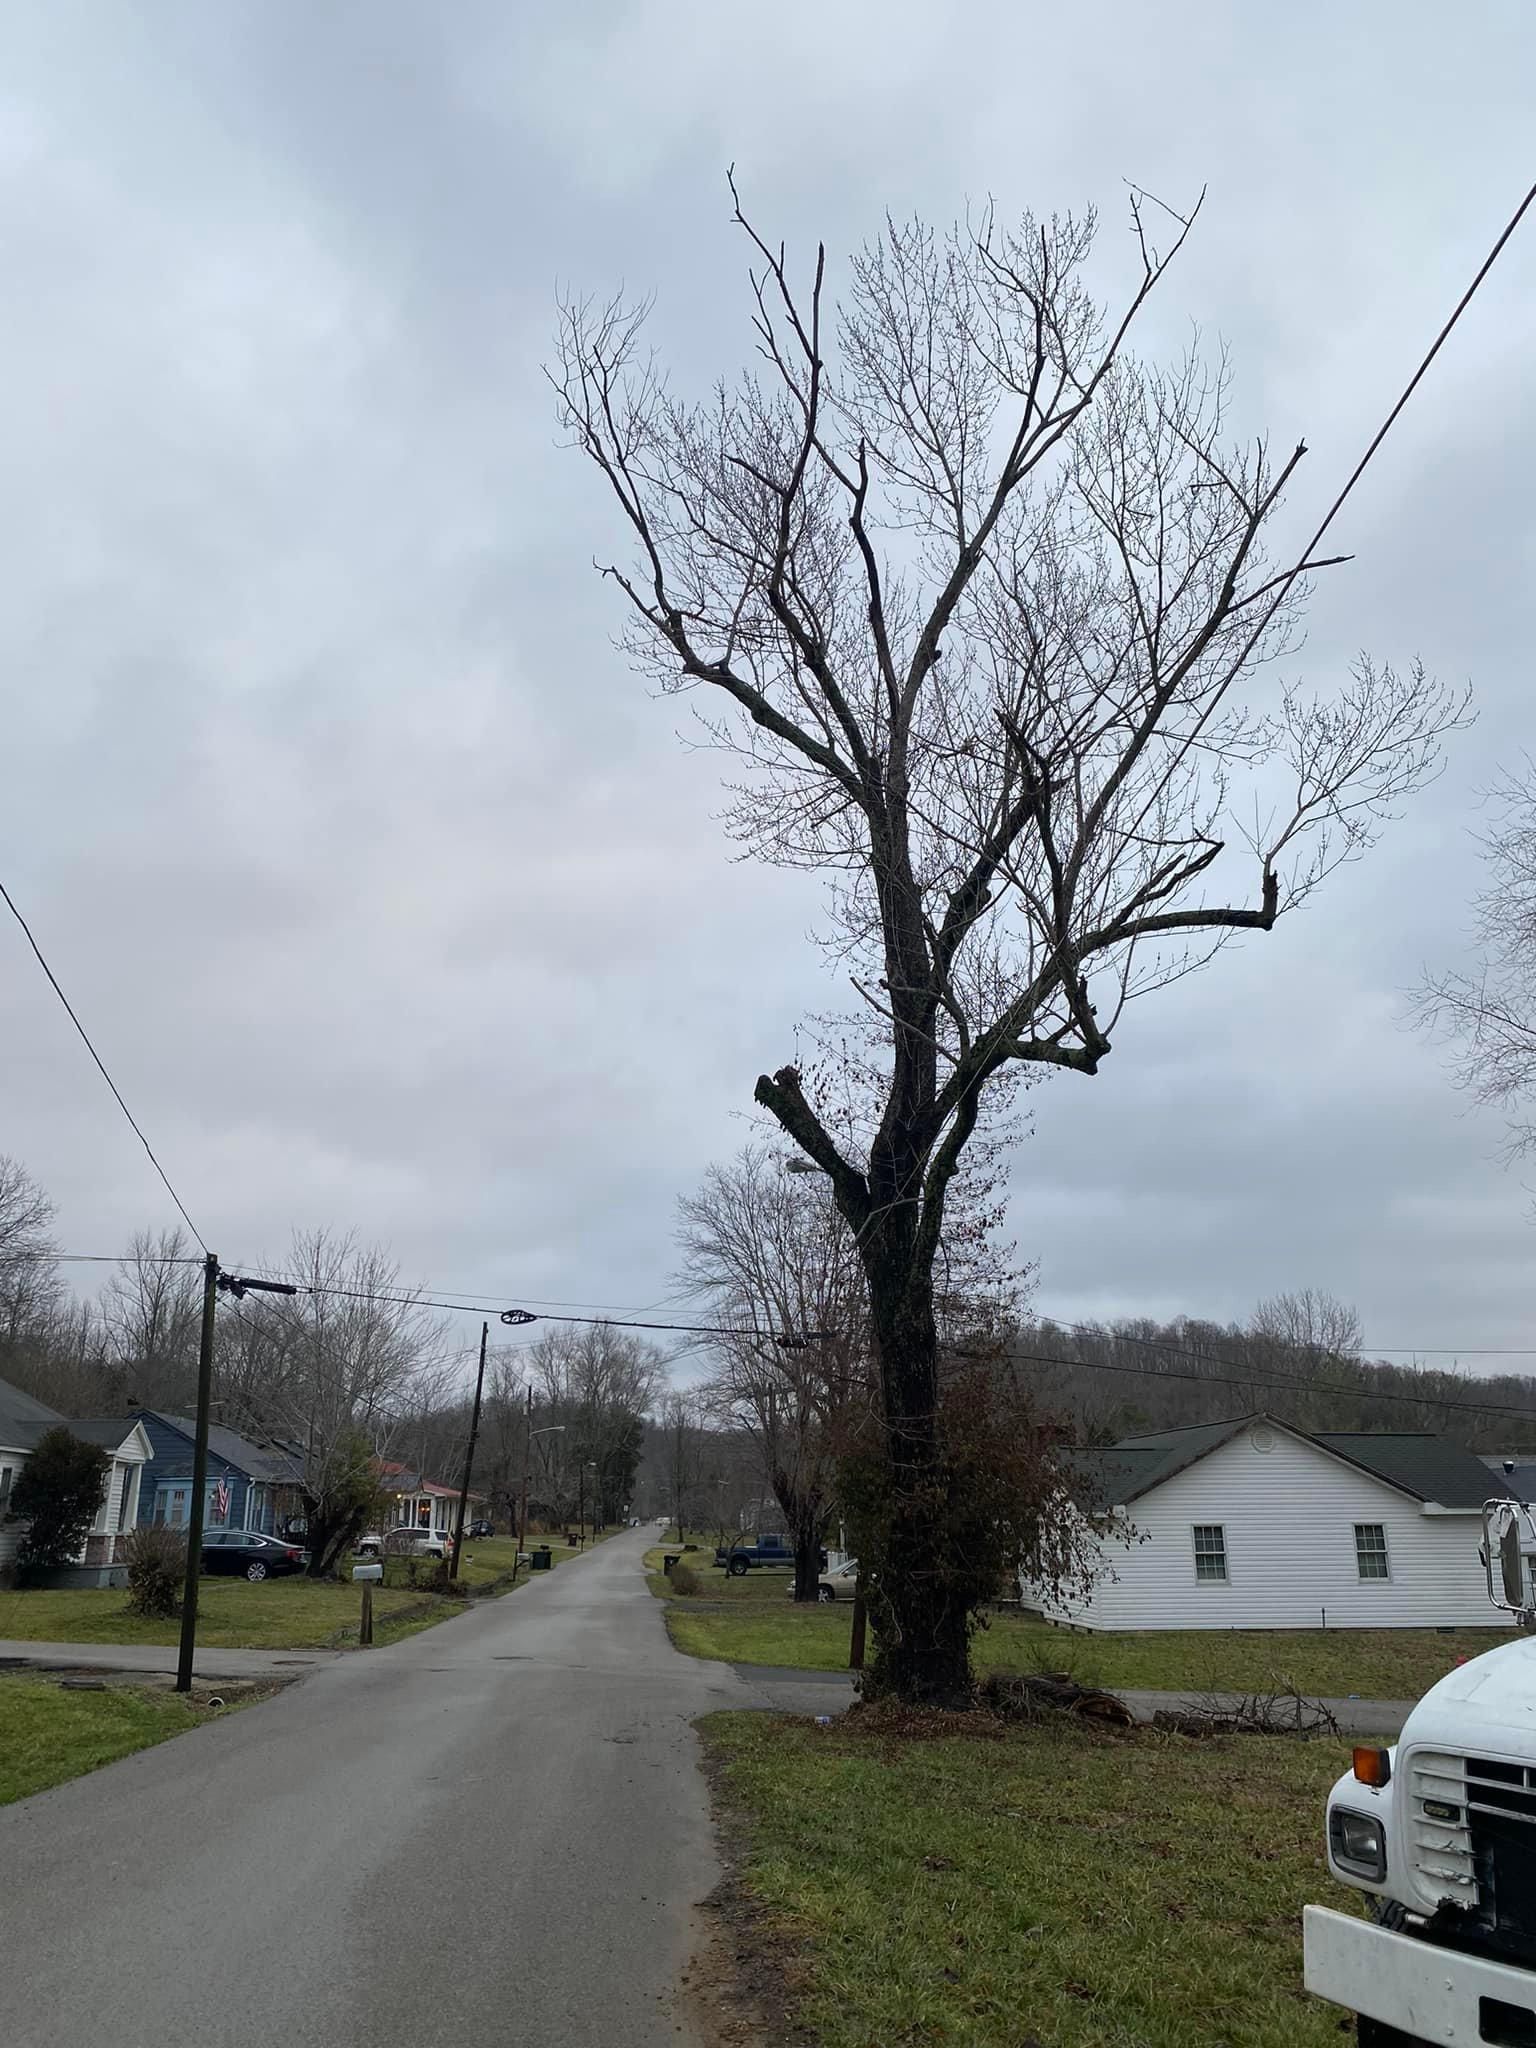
(922, 1628)
(807, 1561)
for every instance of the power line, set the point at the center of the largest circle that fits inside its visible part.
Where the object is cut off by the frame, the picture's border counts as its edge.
(101, 1066)
(477, 1308)
(1334, 509)
(476, 1304)
(1237, 1377)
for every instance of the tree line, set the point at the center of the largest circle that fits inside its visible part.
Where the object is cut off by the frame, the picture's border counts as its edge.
(351, 1375)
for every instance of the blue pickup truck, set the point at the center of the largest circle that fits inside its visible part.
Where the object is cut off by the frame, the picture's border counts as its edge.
(761, 1551)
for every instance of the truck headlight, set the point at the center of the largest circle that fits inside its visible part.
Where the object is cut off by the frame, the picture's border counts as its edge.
(1357, 1843)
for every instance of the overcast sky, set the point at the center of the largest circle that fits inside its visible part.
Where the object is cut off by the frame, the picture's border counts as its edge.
(391, 897)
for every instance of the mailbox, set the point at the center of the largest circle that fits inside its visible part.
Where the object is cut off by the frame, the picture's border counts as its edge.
(375, 1572)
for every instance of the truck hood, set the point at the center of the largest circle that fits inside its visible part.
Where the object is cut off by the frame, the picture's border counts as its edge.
(1491, 1700)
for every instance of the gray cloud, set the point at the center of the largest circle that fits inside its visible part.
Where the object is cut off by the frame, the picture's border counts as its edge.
(391, 896)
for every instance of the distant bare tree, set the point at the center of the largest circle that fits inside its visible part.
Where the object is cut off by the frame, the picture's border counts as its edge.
(598, 1383)
(343, 1357)
(773, 1255)
(685, 1448)
(1314, 1325)
(30, 1287)
(980, 601)
(152, 1307)
(1489, 1014)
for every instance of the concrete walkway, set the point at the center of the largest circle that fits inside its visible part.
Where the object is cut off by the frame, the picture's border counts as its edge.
(492, 1830)
(157, 1657)
(830, 1692)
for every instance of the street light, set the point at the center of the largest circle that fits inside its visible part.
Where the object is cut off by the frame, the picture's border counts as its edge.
(587, 1465)
(549, 1429)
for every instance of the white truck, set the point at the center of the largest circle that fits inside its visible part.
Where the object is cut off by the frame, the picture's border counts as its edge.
(1439, 1833)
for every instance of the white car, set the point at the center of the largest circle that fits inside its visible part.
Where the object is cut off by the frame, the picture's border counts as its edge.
(836, 1584)
(403, 1543)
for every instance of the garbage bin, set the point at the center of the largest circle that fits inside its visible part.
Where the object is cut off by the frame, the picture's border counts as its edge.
(543, 1557)
(668, 1561)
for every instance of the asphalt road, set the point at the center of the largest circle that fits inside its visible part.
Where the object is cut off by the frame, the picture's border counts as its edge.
(493, 1831)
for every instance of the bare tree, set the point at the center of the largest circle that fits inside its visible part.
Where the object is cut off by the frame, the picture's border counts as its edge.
(775, 1259)
(597, 1383)
(30, 1287)
(1489, 1014)
(152, 1307)
(980, 600)
(1311, 1324)
(342, 1358)
(685, 1442)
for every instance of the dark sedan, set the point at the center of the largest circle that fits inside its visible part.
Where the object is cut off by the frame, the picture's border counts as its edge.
(252, 1556)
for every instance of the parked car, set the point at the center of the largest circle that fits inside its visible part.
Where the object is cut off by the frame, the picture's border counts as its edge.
(253, 1557)
(762, 1552)
(836, 1584)
(403, 1543)
(481, 1528)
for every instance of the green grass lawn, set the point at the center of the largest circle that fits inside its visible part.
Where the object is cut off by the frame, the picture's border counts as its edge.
(48, 1735)
(752, 1621)
(1060, 1885)
(279, 1614)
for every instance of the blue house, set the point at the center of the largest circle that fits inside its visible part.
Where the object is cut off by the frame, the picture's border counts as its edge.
(251, 1484)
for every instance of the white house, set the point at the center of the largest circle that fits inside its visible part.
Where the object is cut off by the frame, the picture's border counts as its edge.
(22, 1422)
(412, 1501)
(1253, 1524)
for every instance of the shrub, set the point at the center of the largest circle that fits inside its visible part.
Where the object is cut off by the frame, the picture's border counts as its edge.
(684, 1580)
(157, 1568)
(57, 1495)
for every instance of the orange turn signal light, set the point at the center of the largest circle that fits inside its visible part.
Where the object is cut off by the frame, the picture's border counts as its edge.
(1373, 1767)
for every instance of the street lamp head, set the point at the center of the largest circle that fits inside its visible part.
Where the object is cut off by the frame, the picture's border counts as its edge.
(802, 1166)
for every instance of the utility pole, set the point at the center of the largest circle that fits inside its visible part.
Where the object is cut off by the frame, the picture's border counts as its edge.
(469, 1459)
(199, 1477)
(213, 1282)
(522, 1525)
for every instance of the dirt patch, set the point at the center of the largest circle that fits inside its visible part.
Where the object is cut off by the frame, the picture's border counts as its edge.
(890, 1721)
(741, 1981)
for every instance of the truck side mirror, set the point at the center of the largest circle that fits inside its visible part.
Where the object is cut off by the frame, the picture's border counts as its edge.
(1512, 1564)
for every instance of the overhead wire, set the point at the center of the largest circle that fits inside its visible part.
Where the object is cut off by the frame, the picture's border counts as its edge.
(1289, 578)
(85, 1039)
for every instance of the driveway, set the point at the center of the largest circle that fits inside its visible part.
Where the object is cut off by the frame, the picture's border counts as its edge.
(493, 1830)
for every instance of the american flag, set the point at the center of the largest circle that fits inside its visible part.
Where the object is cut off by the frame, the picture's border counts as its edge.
(221, 1501)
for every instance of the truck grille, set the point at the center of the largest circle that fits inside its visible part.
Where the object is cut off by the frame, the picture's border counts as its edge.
(1439, 1836)
(1501, 1820)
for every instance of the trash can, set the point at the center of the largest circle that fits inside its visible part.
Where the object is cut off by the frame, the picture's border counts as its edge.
(668, 1561)
(542, 1559)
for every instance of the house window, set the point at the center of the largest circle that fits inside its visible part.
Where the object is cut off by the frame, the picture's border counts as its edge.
(173, 1505)
(7, 1474)
(125, 1498)
(1211, 1552)
(1371, 1551)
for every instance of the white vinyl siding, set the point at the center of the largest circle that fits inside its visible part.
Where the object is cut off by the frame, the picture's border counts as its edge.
(1288, 1517)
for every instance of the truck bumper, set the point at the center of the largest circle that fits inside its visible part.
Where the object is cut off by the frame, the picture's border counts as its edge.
(1430, 1994)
